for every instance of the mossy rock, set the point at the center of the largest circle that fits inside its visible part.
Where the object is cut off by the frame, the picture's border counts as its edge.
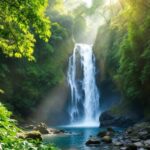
(36, 135)
(107, 139)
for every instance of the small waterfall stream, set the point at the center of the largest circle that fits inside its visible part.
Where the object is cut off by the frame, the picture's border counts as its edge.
(84, 108)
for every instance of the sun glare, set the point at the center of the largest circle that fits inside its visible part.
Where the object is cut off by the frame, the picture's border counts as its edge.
(108, 2)
(88, 2)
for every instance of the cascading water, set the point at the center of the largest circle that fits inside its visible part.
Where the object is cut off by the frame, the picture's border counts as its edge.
(84, 108)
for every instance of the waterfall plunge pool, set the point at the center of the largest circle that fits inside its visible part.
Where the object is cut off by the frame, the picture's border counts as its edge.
(77, 139)
(74, 141)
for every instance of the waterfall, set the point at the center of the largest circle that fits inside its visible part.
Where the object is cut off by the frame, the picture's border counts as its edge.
(84, 107)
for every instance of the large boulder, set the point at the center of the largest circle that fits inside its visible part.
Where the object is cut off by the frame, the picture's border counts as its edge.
(109, 119)
(147, 143)
(107, 139)
(93, 141)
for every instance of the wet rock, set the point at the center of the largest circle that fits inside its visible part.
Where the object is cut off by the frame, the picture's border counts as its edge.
(143, 135)
(141, 149)
(117, 143)
(42, 128)
(129, 131)
(136, 137)
(109, 132)
(147, 143)
(127, 142)
(135, 140)
(123, 148)
(109, 119)
(107, 139)
(93, 141)
(138, 144)
(131, 147)
(36, 135)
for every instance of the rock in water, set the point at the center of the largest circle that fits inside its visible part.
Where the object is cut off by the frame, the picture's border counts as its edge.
(147, 143)
(93, 141)
(138, 144)
(117, 143)
(107, 139)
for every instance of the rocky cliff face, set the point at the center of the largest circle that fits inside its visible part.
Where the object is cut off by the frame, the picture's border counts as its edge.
(110, 95)
(107, 119)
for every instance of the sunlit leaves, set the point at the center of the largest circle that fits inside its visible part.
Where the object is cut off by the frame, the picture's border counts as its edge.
(18, 21)
(134, 56)
(2, 91)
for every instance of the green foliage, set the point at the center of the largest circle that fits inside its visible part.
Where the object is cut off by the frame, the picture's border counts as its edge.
(8, 136)
(18, 21)
(29, 82)
(134, 70)
(124, 52)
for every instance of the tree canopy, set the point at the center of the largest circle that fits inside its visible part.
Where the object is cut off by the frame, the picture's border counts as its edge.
(20, 20)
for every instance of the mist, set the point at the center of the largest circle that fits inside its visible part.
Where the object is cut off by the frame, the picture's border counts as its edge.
(53, 109)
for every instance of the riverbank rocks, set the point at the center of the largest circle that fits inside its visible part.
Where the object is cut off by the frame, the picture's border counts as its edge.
(36, 135)
(136, 137)
(44, 129)
(147, 143)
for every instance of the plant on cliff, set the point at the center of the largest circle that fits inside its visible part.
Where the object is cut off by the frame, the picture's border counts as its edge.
(134, 53)
(124, 53)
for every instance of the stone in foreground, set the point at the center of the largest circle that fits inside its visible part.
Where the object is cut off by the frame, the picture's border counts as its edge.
(93, 142)
(107, 139)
